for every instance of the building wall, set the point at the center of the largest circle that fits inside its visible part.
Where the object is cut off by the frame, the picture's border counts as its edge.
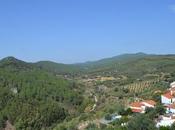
(165, 100)
(172, 110)
(147, 105)
(168, 110)
(139, 108)
(173, 100)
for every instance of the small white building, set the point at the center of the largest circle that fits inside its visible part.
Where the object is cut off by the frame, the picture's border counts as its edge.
(166, 121)
(167, 98)
(171, 108)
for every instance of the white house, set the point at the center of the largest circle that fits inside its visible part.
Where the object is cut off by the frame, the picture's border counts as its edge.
(167, 97)
(171, 108)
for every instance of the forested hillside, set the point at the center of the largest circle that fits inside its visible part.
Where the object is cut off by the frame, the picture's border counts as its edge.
(87, 67)
(32, 99)
(134, 65)
(59, 68)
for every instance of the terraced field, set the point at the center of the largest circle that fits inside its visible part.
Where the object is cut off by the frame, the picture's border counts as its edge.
(139, 87)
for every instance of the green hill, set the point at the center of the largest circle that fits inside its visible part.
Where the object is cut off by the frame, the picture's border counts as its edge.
(34, 99)
(58, 67)
(12, 62)
(88, 66)
(138, 63)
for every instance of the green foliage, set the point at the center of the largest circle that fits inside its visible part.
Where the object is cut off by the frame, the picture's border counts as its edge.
(2, 121)
(160, 109)
(91, 127)
(141, 122)
(31, 98)
(164, 128)
(59, 68)
(5, 96)
(172, 127)
(167, 128)
(157, 97)
(121, 121)
(153, 113)
(126, 112)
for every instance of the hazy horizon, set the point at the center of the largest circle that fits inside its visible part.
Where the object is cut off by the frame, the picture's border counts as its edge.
(79, 31)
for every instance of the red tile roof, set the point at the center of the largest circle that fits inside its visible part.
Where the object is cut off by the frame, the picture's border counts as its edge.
(136, 104)
(151, 102)
(168, 95)
(138, 107)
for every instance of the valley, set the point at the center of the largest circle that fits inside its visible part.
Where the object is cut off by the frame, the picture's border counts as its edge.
(49, 95)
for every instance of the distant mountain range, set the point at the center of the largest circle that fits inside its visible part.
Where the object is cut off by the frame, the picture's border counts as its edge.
(126, 63)
(90, 66)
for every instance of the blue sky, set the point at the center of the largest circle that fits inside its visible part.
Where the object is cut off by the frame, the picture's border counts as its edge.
(72, 31)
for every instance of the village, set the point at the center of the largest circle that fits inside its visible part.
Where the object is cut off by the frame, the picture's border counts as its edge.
(167, 119)
(167, 100)
(140, 107)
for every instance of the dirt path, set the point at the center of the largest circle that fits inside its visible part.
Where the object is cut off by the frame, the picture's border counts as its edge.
(9, 126)
(95, 105)
(84, 125)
